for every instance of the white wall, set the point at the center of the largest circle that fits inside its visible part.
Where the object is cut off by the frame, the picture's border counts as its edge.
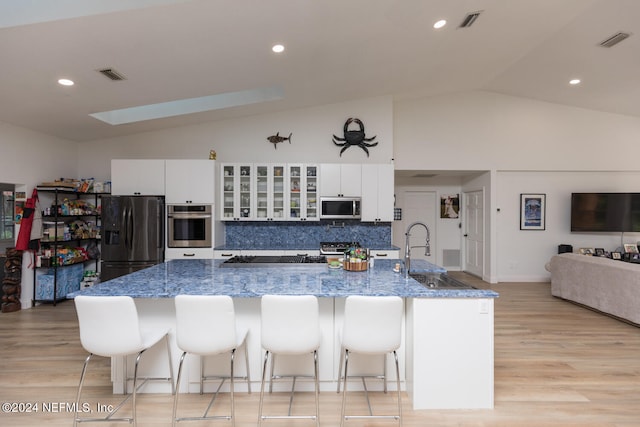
(488, 131)
(245, 139)
(27, 159)
(528, 146)
(445, 233)
(522, 255)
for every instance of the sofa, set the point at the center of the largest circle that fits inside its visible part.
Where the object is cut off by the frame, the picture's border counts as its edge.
(606, 285)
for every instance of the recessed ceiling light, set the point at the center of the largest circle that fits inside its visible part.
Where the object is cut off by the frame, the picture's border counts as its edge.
(277, 48)
(441, 23)
(65, 82)
(574, 82)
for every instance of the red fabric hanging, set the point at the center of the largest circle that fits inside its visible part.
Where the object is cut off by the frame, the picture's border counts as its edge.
(24, 236)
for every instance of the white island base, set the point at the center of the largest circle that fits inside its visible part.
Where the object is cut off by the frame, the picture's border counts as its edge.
(446, 358)
(449, 353)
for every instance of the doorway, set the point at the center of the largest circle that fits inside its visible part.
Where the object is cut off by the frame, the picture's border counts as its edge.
(7, 229)
(420, 206)
(473, 208)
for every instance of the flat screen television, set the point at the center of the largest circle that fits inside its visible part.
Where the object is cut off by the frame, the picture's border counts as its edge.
(610, 212)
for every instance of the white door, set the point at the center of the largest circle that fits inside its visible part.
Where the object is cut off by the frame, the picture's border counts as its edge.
(474, 233)
(420, 206)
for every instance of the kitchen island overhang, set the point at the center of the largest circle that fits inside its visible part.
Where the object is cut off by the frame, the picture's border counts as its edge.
(447, 352)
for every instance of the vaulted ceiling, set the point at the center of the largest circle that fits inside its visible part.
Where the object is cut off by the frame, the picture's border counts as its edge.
(219, 52)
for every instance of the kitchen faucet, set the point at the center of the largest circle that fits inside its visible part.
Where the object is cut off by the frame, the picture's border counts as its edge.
(407, 246)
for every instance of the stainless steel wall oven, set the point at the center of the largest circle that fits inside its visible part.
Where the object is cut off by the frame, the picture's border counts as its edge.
(189, 226)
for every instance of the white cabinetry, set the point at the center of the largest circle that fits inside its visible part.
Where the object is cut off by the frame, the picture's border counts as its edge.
(190, 181)
(137, 177)
(302, 186)
(385, 254)
(237, 191)
(337, 179)
(226, 254)
(270, 194)
(377, 192)
(188, 253)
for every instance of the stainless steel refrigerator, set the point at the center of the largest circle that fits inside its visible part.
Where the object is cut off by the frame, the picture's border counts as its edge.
(132, 234)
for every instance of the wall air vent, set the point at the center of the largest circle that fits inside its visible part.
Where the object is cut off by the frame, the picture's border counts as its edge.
(614, 39)
(112, 74)
(469, 19)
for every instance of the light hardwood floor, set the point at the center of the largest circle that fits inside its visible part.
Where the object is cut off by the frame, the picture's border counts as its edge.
(556, 365)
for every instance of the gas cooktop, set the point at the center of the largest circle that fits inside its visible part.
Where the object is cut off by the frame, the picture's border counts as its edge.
(272, 260)
(336, 248)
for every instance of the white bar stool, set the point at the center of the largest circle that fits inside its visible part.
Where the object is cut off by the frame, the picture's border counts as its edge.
(290, 325)
(110, 327)
(205, 326)
(372, 325)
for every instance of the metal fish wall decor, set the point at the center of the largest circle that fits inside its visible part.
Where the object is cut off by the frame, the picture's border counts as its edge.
(276, 139)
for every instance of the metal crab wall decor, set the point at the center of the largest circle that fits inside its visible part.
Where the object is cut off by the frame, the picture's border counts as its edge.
(354, 137)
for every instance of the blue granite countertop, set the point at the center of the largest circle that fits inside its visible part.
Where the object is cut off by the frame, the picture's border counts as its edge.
(293, 247)
(206, 277)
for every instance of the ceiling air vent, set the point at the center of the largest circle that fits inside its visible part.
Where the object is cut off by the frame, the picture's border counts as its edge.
(470, 19)
(614, 39)
(112, 74)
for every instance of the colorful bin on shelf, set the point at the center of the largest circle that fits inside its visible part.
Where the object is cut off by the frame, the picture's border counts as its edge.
(69, 279)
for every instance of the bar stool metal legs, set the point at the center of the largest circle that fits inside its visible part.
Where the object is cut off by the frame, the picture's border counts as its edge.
(290, 325)
(104, 334)
(344, 417)
(372, 326)
(270, 356)
(206, 325)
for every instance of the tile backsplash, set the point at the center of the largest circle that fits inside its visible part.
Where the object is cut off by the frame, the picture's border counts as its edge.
(305, 235)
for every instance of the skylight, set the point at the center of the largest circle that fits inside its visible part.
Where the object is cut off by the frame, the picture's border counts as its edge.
(24, 12)
(189, 106)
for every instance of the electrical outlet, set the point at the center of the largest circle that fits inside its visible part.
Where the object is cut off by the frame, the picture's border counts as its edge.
(484, 306)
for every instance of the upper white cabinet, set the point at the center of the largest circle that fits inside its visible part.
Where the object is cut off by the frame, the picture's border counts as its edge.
(190, 181)
(340, 179)
(137, 177)
(270, 192)
(302, 186)
(377, 192)
(237, 191)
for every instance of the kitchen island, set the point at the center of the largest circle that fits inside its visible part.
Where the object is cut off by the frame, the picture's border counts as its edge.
(447, 351)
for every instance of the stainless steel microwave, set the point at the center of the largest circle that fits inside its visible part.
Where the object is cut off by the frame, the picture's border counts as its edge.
(340, 207)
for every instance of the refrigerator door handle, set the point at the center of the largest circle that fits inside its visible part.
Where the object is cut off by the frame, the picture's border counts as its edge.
(123, 226)
(130, 229)
(160, 219)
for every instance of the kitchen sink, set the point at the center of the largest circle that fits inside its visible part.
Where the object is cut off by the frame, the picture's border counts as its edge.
(439, 281)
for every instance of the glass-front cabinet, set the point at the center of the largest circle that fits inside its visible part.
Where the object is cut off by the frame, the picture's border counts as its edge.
(270, 192)
(303, 192)
(237, 191)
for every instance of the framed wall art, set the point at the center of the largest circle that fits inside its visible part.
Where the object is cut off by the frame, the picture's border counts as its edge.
(450, 206)
(532, 211)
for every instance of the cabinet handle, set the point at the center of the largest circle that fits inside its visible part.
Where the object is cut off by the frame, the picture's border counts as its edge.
(229, 255)
(380, 255)
(188, 254)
